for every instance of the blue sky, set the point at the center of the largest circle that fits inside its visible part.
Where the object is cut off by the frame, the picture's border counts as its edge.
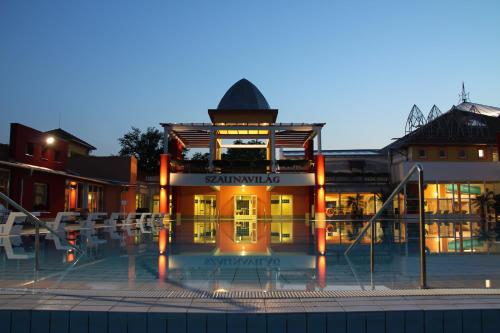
(359, 66)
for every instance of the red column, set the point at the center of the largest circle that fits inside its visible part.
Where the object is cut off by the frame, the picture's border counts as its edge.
(320, 219)
(164, 184)
(72, 196)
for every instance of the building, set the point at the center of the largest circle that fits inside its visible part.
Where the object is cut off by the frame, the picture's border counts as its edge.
(243, 205)
(48, 173)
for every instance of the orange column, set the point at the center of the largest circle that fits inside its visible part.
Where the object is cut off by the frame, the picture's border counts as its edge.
(321, 271)
(72, 196)
(320, 219)
(164, 184)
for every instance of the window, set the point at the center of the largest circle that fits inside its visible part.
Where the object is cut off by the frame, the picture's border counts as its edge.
(40, 197)
(57, 156)
(495, 156)
(461, 153)
(422, 153)
(480, 153)
(45, 152)
(281, 218)
(443, 153)
(205, 211)
(30, 148)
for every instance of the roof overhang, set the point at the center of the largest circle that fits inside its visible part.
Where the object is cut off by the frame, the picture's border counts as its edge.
(243, 116)
(287, 135)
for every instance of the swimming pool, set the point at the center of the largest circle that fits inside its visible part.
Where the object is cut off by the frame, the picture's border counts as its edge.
(134, 260)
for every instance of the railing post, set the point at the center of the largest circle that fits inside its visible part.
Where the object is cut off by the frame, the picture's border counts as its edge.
(37, 245)
(372, 247)
(423, 271)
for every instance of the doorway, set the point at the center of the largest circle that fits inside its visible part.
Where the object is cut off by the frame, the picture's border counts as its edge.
(245, 219)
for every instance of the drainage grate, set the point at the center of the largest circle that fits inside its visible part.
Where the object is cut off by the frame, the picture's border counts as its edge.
(200, 294)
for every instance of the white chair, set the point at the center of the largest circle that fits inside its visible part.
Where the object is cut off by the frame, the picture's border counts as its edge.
(13, 248)
(88, 228)
(144, 223)
(130, 222)
(14, 224)
(111, 224)
(59, 223)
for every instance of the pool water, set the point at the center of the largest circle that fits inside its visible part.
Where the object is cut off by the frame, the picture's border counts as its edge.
(132, 261)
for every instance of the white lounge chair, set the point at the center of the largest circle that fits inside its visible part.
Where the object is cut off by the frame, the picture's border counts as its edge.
(144, 223)
(13, 248)
(14, 224)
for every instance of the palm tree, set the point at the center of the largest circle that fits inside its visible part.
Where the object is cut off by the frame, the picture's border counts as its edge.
(484, 202)
(354, 203)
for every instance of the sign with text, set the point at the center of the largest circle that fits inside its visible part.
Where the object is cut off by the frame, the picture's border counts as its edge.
(248, 261)
(237, 179)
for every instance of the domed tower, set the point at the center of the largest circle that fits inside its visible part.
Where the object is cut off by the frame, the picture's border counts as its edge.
(243, 103)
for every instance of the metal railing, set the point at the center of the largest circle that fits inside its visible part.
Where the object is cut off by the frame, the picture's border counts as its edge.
(371, 223)
(37, 222)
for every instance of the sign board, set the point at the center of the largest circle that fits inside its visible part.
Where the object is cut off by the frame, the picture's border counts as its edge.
(248, 261)
(237, 179)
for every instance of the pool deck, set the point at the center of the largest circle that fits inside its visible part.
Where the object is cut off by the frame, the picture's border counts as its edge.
(440, 310)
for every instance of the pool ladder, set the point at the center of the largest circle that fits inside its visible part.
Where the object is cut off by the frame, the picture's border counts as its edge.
(37, 222)
(417, 168)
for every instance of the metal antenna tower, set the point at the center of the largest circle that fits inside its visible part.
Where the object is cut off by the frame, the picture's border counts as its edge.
(464, 97)
(415, 120)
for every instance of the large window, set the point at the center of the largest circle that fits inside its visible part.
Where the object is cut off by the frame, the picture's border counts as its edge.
(205, 212)
(40, 197)
(281, 218)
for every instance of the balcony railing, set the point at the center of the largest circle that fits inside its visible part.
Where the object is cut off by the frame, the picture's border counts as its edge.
(227, 166)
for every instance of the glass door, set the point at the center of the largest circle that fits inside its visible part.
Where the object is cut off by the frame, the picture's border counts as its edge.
(245, 219)
(205, 217)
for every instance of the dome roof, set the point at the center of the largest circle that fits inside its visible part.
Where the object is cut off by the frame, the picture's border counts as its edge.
(243, 95)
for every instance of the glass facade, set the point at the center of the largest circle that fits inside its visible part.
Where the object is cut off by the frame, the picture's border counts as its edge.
(205, 218)
(281, 219)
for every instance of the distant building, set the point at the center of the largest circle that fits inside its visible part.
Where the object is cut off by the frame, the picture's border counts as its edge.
(44, 172)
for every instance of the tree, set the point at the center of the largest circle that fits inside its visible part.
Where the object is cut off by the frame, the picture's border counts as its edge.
(146, 147)
(355, 203)
(245, 154)
(484, 202)
(200, 157)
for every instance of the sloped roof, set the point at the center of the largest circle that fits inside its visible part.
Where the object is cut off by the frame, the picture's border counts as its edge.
(486, 110)
(243, 95)
(59, 132)
(468, 123)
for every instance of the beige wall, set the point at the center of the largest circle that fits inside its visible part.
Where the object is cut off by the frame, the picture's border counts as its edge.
(452, 153)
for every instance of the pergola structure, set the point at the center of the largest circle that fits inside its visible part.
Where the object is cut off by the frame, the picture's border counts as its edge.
(274, 135)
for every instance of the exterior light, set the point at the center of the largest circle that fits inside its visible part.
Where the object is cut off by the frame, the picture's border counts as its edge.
(50, 140)
(481, 153)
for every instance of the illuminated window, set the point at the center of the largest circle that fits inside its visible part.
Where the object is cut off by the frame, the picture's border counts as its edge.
(282, 219)
(495, 156)
(480, 153)
(205, 212)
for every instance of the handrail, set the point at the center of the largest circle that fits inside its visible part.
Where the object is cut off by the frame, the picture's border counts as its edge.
(416, 167)
(37, 222)
(370, 225)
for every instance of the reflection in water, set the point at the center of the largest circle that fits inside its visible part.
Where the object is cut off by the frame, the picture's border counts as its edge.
(162, 268)
(321, 271)
(163, 240)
